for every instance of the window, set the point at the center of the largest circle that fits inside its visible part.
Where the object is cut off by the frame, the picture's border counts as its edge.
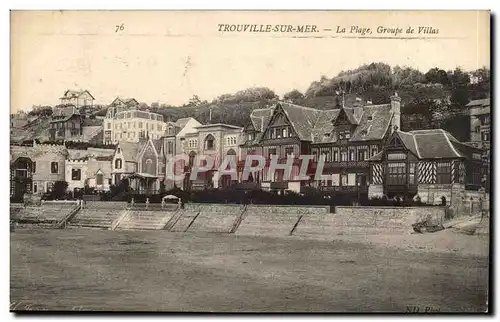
(76, 174)
(343, 156)
(134, 125)
(396, 173)
(289, 151)
(374, 151)
(34, 167)
(335, 156)
(344, 179)
(35, 188)
(478, 129)
(352, 155)
(169, 131)
(271, 152)
(109, 126)
(129, 115)
(140, 125)
(209, 142)
(250, 136)
(347, 134)
(326, 156)
(170, 147)
(54, 167)
(148, 167)
(50, 186)
(362, 154)
(485, 136)
(412, 173)
(99, 178)
(118, 163)
(443, 173)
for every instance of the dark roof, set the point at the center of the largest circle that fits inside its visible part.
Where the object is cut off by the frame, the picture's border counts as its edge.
(350, 115)
(73, 93)
(129, 150)
(64, 119)
(374, 123)
(260, 118)
(322, 131)
(482, 102)
(410, 142)
(303, 119)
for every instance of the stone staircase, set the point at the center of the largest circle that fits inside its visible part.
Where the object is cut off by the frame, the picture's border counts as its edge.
(46, 215)
(95, 218)
(144, 220)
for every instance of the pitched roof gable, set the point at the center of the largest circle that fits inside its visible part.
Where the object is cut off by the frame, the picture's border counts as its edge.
(374, 123)
(302, 119)
(129, 150)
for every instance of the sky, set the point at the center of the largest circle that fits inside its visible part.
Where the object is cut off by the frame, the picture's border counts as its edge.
(168, 57)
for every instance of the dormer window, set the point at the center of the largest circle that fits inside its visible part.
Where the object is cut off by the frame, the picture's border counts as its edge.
(370, 118)
(364, 132)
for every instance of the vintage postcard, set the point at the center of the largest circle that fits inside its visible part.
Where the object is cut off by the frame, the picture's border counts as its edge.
(250, 161)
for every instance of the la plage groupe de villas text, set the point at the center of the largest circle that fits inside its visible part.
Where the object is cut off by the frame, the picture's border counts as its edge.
(358, 30)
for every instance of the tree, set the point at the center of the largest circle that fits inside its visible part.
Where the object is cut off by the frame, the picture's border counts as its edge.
(436, 75)
(293, 95)
(59, 189)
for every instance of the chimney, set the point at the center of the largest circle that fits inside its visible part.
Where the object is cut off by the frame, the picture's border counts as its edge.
(396, 112)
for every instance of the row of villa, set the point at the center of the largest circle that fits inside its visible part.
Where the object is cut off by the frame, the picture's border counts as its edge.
(364, 149)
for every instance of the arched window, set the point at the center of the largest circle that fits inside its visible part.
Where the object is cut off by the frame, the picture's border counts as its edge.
(209, 142)
(148, 167)
(99, 179)
(118, 163)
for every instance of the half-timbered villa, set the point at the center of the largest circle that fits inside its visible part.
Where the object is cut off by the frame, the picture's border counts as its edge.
(345, 136)
(430, 164)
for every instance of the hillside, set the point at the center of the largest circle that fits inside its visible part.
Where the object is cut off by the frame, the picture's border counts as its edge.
(435, 99)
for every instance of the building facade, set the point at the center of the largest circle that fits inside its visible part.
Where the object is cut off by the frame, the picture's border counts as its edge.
(430, 164)
(35, 169)
(66, 127)
(89, 168)
(175, 138)
(77, 98)
(141, 163)
(131, 125)
(215, 141)
(344, 137)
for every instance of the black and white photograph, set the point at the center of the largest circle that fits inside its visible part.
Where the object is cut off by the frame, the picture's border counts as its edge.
(250, 161)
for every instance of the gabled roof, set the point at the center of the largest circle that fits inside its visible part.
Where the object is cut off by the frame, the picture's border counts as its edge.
(374, 123)
(322, 131)
(158, 143)
(303, 119)
(260, 118)
(73, 93)
(433, 144)
(64, 119)
(129, 150)
(182, 122)
(410, 142)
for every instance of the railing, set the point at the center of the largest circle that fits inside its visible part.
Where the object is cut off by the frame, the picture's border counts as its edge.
(360, 189)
